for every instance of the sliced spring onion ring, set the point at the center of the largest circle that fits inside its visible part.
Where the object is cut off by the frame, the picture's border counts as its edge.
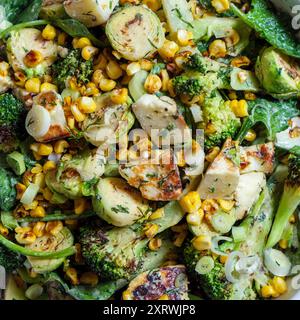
(30, 193)
(248, 265)
(277, 262)
(32, 253)
(205, 265)
(230, 267)
(222, 222)
(215, 245)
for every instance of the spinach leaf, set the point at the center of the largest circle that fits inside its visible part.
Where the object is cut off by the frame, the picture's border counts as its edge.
(274, 114)
(7, 189)
(31, 12)
(74, 28)
(296, 151)
(275, 29)
(21, 10)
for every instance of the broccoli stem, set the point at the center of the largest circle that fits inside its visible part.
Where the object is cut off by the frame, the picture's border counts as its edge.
(287, 206)
(28, 252)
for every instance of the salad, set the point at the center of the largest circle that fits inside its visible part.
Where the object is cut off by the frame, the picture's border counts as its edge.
(149, 149)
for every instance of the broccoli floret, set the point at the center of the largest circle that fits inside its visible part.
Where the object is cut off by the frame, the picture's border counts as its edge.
(289, 201)
(10, 260)
(120, 253)
(215, 284)
(73, 65)
(11, 124)
(7, 189)
(219, 120)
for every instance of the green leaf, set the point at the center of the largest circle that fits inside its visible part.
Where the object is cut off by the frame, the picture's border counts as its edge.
(31, 12)
(275, 29)
(273, 114)
(296, 151)
(8, 220)
(74, 28)
(13, 8)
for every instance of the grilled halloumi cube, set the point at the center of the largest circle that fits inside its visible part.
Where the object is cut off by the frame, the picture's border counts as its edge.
(161, 114)
(159, 181)
(247, 192)
(222, 176)
(258, 158)
(46, 119)
(169, 283)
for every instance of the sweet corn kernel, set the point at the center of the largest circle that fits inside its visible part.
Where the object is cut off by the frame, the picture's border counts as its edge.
(195, 218)
(97, 76)
(250, 96)
(151, 231)
(250, 135)
(54, 227)
(59, 147)
(83, 42)
(4, 69)
(212, 154)
(232, 39)
(283, 244)
(240, 108)
(33, 58)
(221, 5)
(223, 259)
(159, 213)
(242, 61)
(279, 284)
(180, 239)
(47, 194)
(153, 83)
(46, 86)
(119, 96)
(31, 206)
(37, 169)
(89, 278)
(62, 39)
(71, 122)
(113, 70)
(49, 32)
(45, 149)
(27, 237)
(209, 205)
(146, 64)
(154, 5)
(107, 84)
(202, 242)
(154, 244)
(49, 165)
(165, 79)
(268, 291)
(71, 273)
(39, 179)
(87, 105)
(210, 128)
(184, 37)
(133, 68)
(78, 115)
(226, 205)
(168, 50)
(20, 78)
(20, 187)
(3, 230)
(126, 295)
(100, 62)
(217, 49)
(39, 229)
(191, 202)
(164, 297)
(80, 205)
(22, 229)
(38, 212)
(88, 52)
(33, 85)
